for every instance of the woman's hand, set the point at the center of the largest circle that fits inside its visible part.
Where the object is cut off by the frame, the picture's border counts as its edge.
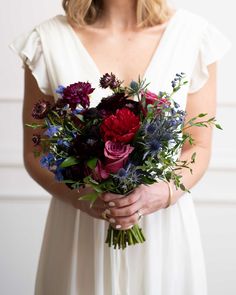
(122, 212)
(94, 211)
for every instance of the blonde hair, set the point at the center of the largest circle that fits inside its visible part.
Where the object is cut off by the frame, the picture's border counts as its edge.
(85, 12)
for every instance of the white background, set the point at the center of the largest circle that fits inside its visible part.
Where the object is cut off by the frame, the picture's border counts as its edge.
(24, 205)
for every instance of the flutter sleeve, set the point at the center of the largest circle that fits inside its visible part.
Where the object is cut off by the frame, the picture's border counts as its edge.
(29, 48)
(213, 46)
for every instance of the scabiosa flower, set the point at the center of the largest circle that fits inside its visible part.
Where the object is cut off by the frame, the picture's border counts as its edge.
(78, 93)
(36, 139)
(41, 109)
(109, 80)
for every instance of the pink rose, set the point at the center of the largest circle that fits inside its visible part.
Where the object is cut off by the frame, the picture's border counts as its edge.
(116, 156)
(151, 97)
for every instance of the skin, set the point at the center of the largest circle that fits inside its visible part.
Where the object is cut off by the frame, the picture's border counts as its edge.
(117, 28)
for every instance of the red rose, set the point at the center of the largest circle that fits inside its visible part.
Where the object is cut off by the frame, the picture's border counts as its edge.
(120, 127)
(116, 156)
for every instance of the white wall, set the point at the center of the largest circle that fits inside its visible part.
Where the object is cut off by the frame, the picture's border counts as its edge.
(23, 204)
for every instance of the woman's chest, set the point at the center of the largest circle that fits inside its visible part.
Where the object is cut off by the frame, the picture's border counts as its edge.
(126, 54)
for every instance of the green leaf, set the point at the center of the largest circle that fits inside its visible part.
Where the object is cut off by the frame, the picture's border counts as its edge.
(92, 163)
(35, 125)
(193, 157)
(70, 161)
(202, 115)
(67, 181)
(218, 126)
(91, 197)
(81, 117)
(183, 188)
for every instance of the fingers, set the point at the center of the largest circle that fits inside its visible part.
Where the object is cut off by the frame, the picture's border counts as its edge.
(127, 210)
(122, 223)
(114, 200)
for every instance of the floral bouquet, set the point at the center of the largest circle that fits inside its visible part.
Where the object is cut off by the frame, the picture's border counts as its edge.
(117, 145)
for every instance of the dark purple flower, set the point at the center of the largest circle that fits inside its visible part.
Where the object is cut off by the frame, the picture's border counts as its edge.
(109, 105)
(78, 93)
(88, 144)
(41, 109)
(90, 114)
(109, 80)
(36, 139)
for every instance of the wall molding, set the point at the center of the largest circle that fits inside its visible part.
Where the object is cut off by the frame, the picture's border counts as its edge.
(224, 104)
(22, 199)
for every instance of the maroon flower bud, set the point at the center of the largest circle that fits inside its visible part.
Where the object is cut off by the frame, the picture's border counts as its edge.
(36, 139)
(41, 109)
(109, 80)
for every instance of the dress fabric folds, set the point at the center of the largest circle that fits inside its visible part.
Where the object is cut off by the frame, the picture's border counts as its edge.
(74, 259)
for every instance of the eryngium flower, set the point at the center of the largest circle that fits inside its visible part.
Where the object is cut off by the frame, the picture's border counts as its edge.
(36, 139)
(78, 93)
(109, 80)
(41, 109)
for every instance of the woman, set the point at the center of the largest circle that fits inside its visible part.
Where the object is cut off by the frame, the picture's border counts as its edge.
(128, 38)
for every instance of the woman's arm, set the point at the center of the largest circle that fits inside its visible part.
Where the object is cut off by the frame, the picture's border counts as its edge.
(41, 175)
(154, 197)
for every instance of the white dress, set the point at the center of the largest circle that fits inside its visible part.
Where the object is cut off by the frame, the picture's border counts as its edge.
(74, 259)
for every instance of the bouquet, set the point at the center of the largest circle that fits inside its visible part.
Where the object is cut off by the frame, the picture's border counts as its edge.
(132, 137)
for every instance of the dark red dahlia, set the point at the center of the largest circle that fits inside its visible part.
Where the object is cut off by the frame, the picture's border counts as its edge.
(109, 80)
(78, 93)
(41, 109)
(36, 139)
(120, 127)
(110, 104)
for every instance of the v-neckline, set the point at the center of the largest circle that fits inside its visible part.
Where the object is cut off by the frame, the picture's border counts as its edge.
(155, 55)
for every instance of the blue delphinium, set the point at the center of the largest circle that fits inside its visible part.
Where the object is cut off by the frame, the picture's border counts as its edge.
(47, 160)
(60, 89)
(63, 143)
(58, 171)
(52, 130)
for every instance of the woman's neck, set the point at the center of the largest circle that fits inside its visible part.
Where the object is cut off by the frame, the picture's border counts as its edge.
(118, 14)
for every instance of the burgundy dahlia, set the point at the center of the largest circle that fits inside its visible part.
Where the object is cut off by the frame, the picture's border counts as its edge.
(36, 139)
(41, 109)
(110, 104)
(109, 80)
(78, 93)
